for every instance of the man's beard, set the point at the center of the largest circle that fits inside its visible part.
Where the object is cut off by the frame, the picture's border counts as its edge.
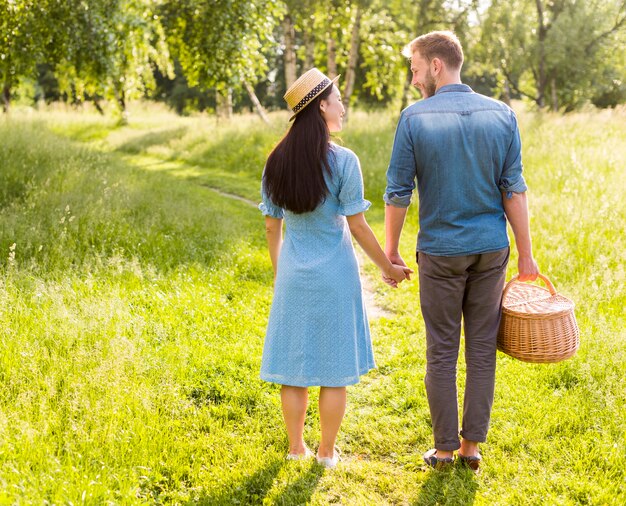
(430, 87)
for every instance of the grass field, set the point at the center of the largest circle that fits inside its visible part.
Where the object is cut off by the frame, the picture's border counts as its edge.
(134, 297)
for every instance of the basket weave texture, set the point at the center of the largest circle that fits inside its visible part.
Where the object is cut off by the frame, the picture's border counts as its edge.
(537, 325)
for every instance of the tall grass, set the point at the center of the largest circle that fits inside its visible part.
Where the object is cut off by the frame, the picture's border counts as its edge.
(121, 326)
(134, 298)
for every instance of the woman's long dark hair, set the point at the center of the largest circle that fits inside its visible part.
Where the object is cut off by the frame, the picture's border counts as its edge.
(294, 172)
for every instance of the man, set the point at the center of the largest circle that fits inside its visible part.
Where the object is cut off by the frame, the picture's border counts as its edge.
(464, 150)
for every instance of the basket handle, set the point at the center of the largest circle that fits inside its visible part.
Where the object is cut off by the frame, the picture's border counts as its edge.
(541, 276)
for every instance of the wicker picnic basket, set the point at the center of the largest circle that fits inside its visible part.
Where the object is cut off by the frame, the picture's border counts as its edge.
(537, 325)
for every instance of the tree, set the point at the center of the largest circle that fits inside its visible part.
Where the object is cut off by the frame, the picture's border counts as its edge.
(353, 57)
(499, 53)
(289, 50)
(362, 40)
(340, 22)
(382, 64)
(299, 16)
(87, 38)
(563, 57)
(100, 47)
(352, 38)
(218, 43)
(23, 32)
(429, 15)
(112, 49)
(578, 54)
(140, 42)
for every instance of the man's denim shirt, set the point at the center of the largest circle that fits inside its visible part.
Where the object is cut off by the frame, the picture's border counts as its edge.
(464, 149)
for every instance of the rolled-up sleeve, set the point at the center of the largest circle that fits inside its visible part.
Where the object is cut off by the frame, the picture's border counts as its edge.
(351, 193)
(268, 208)
(512, 180)
(401, 172)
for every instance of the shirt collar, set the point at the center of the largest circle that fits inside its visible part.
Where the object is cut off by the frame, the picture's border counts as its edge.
(454, 87)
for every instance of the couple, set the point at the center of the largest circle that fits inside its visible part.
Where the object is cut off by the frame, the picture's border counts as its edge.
(464, 151)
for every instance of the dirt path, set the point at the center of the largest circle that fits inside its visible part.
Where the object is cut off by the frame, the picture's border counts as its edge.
(374, 310)
(232, 196)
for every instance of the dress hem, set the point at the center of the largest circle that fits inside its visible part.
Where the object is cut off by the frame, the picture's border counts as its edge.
(312, 382)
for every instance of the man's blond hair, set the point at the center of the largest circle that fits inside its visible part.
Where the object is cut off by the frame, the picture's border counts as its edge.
(441, 44)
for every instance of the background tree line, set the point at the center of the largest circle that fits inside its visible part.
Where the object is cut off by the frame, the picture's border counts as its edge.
(225, 55)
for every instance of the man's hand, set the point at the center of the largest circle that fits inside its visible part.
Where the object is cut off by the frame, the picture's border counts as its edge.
(393, 283)
(396, 275)
(528, 269)
(396, 259)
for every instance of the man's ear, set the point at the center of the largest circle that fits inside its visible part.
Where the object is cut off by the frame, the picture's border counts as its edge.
(436, 65)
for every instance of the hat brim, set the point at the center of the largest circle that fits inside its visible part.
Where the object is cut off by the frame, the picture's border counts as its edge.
(332, 81)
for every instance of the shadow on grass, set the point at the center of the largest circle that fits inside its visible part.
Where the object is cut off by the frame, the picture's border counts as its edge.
(243, 153)
(301, 490)
(142, 142)
(87, 132)
(456, 486)
(255, 488)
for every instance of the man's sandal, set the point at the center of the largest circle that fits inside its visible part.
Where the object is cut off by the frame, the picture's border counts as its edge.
(431, 459)
(471, 461)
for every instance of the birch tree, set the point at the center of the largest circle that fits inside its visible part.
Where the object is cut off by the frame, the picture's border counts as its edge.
(220, 44)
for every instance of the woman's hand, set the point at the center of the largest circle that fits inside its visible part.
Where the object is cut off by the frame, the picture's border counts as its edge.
(396, 274)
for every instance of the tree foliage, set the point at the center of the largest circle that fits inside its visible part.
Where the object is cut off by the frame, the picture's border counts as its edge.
(98, 47)
(220, 43)
(24, 35)
(113, 48)
(556, 53)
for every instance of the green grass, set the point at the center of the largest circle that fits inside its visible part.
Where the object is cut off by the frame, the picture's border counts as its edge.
(133, 304)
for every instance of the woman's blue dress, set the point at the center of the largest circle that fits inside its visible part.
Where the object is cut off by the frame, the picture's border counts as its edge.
(318, 333)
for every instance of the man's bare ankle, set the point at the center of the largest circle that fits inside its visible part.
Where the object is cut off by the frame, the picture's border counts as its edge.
(445, 454)
(469, 448)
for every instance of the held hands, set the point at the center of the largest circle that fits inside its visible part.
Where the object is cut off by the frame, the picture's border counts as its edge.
(398, 271)
(396, 274)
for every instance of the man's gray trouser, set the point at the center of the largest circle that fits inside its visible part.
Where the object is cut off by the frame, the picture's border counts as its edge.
(451, 287)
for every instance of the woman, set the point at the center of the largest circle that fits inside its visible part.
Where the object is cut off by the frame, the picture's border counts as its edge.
(318, 333)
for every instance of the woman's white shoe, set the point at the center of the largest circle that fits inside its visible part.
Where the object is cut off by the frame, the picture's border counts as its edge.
(308, 454)
(328, 462)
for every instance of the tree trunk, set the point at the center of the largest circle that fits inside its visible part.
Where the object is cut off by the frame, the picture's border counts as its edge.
(255, 100)
(96, 103)
(331, 57)
(352, 61)
(309, 50)
(121, 100)
(506, 93)
(555, 100)
(290, 52)
(405, 90)
(541, 34)
(224, 99)
(6, 98)
(76, 98)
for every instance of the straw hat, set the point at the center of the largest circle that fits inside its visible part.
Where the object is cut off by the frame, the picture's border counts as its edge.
(308, 86)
